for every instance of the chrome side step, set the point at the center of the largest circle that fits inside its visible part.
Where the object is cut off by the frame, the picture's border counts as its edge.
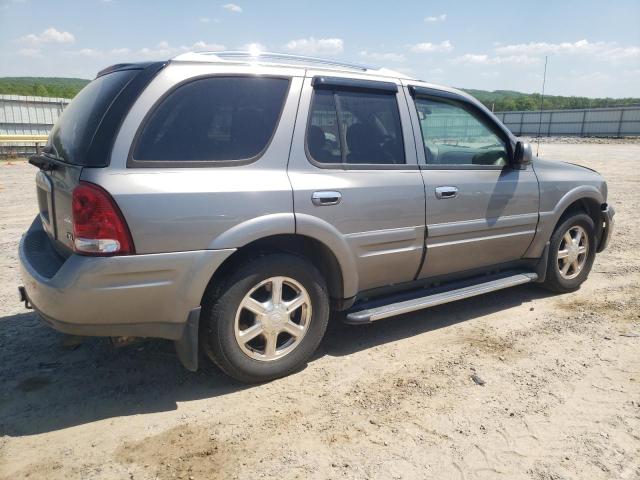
(392, 309)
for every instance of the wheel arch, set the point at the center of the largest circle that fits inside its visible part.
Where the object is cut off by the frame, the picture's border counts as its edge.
(309, 248)
(587, 205)
(586, 199)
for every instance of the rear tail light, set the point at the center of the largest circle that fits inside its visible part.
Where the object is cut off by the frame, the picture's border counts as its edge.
(98, 225)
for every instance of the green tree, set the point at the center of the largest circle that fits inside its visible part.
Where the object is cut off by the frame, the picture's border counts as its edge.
(40, 90)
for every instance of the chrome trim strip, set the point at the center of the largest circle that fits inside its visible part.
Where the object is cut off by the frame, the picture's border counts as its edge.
(479, 239)
(480, 224)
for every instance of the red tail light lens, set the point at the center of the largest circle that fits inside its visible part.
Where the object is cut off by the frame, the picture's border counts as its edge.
(98, 225)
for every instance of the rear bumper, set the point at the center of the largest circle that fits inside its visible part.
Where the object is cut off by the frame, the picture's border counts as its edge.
(139, 295)
(608, 222)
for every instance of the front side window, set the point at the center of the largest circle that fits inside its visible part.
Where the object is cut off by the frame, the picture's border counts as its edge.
(452, 135)
(213, 119)
(355, 128)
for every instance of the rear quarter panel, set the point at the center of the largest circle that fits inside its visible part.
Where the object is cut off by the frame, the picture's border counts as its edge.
(181, 209)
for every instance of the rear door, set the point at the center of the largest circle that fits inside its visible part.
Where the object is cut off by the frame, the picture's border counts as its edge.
(354, 172)
(481, 211)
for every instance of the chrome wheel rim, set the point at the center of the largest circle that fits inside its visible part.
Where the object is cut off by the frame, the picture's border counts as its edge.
(573, 252)
(273, 318)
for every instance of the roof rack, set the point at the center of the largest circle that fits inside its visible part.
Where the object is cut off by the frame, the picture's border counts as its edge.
(270, 56)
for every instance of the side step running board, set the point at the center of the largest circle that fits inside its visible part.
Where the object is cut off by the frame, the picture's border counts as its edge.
(392, 309)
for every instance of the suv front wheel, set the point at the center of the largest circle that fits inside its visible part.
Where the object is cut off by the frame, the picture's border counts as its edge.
(572, 250)
(266, 318)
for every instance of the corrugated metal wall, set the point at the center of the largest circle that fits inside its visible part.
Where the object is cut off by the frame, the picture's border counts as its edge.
(29, 115)
(595, 122)
(20, 115)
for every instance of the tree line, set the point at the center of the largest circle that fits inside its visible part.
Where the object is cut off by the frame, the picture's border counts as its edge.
(42, 86)
(506, 100)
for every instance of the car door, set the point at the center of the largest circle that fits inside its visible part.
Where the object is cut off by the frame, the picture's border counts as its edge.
(481, 210)
(355, 178)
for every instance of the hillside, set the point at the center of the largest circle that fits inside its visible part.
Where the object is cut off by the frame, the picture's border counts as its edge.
(498, 100)
(42, 86)
(506, 100)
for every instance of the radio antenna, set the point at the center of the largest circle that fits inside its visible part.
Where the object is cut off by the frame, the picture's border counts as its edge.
(544, 81)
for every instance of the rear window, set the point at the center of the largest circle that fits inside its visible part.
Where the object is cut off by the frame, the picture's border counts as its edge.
(213, 119)
(72, 134)
(355, 128)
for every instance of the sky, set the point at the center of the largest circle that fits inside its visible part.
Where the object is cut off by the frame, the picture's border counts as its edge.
(593, 47)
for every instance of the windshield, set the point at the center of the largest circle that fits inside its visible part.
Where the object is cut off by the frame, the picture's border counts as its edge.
(72, 134)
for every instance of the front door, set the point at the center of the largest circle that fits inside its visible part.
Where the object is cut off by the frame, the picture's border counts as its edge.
(481, 211)
(354, 173)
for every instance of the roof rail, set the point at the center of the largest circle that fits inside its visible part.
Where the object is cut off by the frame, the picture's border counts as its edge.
(278, 57)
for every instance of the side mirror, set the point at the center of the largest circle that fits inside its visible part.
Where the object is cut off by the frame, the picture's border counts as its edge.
(523, 154)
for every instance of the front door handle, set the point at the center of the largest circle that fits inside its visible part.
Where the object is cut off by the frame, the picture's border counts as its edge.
(446, 192)
(322, 199)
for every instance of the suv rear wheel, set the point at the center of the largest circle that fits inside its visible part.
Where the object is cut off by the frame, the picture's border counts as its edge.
(266, 319)
(572, 250)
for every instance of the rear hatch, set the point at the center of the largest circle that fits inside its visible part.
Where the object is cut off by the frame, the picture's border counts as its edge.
(82, 138)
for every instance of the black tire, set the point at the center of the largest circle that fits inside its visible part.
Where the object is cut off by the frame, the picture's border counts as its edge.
(222, 302)
(554, 281)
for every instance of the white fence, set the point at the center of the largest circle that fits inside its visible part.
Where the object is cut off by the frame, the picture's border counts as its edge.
(590, 122)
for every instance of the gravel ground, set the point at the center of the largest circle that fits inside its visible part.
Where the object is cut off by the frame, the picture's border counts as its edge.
(396, 399)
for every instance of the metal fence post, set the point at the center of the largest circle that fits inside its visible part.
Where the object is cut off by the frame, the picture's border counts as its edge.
(521, 120)
(584, 115)
(620, 122)
(29, 118)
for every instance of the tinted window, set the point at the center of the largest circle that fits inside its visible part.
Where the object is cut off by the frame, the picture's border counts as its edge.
(452, 135)
(323, 134)
(215, 119)
(71, 136)
(355, 128)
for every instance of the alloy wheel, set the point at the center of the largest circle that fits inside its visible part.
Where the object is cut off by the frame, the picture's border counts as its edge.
(272, 318)
(573, 252)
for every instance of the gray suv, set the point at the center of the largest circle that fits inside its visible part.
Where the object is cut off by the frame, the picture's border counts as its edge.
(230, 202)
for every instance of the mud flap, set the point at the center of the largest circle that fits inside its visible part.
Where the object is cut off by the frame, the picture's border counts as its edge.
(187, 345)
(608, 222)
(543, 263)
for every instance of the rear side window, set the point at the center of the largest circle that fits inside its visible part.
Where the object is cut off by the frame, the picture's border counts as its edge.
(355, 128)
(72, 134)
(213, 119)
(323, 134)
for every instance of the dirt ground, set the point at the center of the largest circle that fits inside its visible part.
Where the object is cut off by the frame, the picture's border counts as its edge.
(391, 400)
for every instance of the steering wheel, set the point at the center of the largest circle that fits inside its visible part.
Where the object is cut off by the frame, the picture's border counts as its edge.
(491, 157)
(389, 146)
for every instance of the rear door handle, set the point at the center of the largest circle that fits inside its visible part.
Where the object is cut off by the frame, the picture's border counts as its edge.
(446, 192)
(326, 198)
